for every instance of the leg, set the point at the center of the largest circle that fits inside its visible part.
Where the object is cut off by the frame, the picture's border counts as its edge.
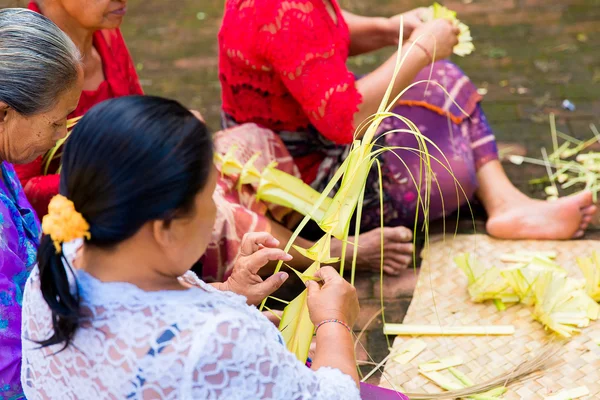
(452, 170)
(454, 183)
(468, 147)
(512, 215)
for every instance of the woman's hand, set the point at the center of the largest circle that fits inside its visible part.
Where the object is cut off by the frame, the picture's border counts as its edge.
(336, 298)
(257, 250)
(411, 21)
(438, 36)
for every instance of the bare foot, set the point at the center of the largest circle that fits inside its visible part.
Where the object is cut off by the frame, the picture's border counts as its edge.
(526, 218)
(397, 246)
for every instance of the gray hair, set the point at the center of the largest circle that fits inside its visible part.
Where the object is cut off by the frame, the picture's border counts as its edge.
(38, 62)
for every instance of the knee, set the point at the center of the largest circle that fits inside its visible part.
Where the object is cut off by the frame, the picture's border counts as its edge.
(457, 182)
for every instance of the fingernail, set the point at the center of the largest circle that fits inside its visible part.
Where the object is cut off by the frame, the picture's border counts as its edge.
(283, 276)
(288, 257)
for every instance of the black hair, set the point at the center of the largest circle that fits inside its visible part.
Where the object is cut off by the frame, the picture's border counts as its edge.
(128, 161)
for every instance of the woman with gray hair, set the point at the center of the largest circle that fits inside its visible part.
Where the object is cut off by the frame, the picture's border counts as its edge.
(41, 80)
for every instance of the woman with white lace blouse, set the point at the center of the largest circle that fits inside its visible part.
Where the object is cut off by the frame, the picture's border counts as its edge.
(136, 185)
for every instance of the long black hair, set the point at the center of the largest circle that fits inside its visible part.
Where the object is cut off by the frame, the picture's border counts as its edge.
(128, 161)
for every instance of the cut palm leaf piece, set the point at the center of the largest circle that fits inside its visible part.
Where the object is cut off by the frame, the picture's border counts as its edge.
(500, 306)
(442, 381)
(522, 281)
(409, 350)
(465, 41)
(562, 305)
(485, 283)
(443, 363)
(591, 272)
(461, 377)
(522, 278)
(436, 330)
(527, 256)
(543, 264)
(467, 382)
(461, 382)
(569, 394)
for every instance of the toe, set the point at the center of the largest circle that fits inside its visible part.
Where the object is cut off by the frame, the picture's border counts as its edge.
(391, 271)
(584, 198)
(399, 248)
(589, 210)
(398, 234)
(579, 234)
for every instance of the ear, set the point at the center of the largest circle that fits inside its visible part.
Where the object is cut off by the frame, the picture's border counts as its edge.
(3, 111)
(163, 234)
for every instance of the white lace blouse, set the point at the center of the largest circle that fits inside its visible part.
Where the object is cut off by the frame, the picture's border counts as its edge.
(193, 344)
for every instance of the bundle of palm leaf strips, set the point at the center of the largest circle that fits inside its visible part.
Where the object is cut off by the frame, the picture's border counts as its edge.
(569, 166)
(561, 303)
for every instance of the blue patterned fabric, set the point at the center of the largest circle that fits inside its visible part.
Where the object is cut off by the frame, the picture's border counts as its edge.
(19, 239)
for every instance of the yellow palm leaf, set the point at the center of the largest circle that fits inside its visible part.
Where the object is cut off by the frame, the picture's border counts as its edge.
(465, 41)
(295, 325)
(280, 188)
(485, 283)
(562, 305)
(320, 251)
(51, 154)
(591, 271)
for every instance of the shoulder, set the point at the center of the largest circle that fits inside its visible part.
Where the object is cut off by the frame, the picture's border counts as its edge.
(112, 47)
(213, 309)
(122, 75)
(112, 37)
(35, 309)
(277, 10)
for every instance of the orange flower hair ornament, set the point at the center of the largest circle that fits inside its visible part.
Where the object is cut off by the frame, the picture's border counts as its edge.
(63, 223)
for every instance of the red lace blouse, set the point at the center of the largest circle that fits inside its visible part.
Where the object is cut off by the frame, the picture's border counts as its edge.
(282, 65)
(120, 80)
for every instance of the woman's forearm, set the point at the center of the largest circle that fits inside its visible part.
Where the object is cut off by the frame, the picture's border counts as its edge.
(369, 33)
(335, 349)
(372, 87)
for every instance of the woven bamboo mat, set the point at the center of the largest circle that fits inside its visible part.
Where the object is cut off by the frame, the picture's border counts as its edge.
(441, 298)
